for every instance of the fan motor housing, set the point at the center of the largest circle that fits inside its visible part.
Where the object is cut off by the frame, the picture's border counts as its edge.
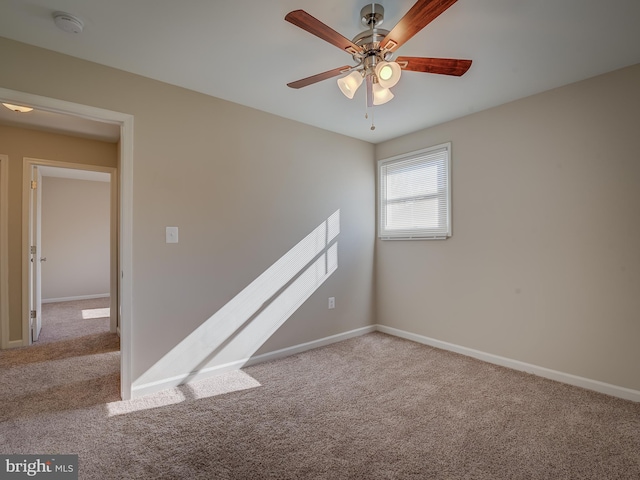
(372, 16)
(370, 39)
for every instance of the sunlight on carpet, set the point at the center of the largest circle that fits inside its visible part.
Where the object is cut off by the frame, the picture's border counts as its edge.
(229, 382)
(96, 313)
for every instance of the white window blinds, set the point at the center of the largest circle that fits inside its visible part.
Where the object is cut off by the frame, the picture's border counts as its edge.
(414, 195)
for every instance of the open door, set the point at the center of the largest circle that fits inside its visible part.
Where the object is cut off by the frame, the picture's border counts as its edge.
(35, 297)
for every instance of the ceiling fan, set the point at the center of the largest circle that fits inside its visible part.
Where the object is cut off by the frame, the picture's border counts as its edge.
(374, 48)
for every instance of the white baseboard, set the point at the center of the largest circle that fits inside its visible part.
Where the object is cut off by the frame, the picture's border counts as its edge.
(286, 352)
(166, 383)
(607, 388)
(595, 385)
(172, 382)
(71, 299)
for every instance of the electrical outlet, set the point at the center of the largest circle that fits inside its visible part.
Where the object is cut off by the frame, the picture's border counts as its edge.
(332, 302)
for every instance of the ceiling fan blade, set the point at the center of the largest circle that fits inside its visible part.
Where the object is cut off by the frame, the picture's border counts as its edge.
(302, 19)
(442, 66)
(319, 77)
(418, 17)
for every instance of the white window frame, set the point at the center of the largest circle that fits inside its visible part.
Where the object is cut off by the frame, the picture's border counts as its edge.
(444, 230)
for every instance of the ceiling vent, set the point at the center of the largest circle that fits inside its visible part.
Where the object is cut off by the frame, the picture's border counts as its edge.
(67, 22)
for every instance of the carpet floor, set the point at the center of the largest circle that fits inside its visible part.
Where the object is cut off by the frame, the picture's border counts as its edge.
(373, 407)
(73, 319)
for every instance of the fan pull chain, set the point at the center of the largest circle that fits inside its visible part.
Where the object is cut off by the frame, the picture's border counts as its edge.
(366, 114)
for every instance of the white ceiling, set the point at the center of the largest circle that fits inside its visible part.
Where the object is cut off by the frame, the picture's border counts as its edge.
(243, 51)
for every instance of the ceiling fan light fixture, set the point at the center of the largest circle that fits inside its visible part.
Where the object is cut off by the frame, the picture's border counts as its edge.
(349, 84)
(373, 49)
(381, 95)
(388, 73)
(17, 108)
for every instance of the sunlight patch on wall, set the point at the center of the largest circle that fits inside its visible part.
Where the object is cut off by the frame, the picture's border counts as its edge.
(237, 330)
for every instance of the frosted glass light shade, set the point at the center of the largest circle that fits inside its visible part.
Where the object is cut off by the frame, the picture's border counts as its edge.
(388, 73)
(349, 84)
(381, 95)
(17, 108)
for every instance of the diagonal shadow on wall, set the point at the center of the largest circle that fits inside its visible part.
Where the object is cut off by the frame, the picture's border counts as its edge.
(229, 338)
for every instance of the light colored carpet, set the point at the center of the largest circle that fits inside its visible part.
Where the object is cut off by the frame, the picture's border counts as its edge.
(78, 318)
(373, 407)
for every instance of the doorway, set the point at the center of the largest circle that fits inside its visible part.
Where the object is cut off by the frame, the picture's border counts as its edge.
(123, 232)
(74, 251)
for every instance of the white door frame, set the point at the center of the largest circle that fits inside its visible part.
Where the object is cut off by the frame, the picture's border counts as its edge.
(28, 220)
(125, 241)
(34, 235)
(4, 251)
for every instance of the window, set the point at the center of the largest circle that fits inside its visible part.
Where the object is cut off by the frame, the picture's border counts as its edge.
(414, 195)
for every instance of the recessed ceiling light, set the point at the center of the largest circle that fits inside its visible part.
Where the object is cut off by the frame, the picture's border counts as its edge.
(17, 108)
(67, 22)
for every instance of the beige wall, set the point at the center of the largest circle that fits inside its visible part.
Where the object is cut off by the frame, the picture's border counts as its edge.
(243, 187)
(18, 143)
(543, 265)
(544, 262)
(75, 238)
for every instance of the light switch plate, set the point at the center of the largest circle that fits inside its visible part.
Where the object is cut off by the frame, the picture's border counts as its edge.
(172, 234)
